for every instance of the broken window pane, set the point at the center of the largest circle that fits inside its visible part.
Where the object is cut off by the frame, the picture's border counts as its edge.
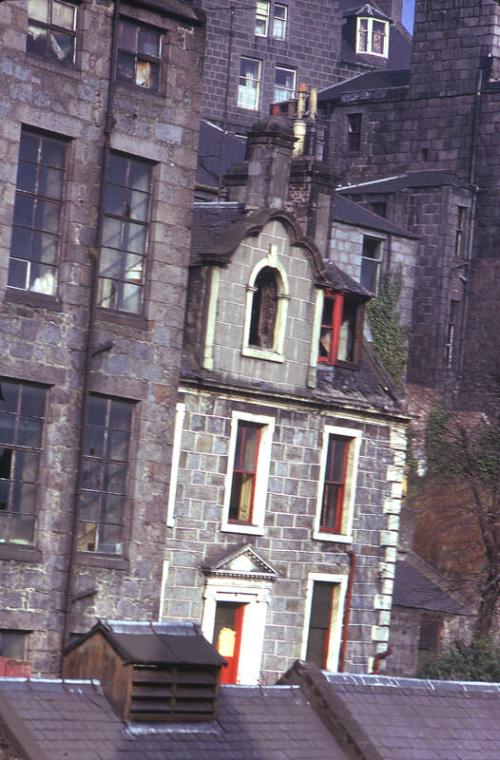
(51, 30)
(138, 57)
(39, 10)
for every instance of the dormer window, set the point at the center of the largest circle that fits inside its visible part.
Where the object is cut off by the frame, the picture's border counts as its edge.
(341, 329)
(372, 36)
(266, 310)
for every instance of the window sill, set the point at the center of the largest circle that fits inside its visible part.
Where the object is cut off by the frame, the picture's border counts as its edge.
(264, 354)
(103, 560)
(20, 553)
(337, 538)
(121, 318)
(249, 530)
(29, 298)
(58, 68)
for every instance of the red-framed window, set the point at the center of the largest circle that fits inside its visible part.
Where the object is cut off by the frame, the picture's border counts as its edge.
(334, 487)
(320, 623)
(244, 478)
(341, 324)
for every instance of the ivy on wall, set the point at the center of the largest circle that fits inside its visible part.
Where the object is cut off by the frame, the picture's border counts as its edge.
(389, 335)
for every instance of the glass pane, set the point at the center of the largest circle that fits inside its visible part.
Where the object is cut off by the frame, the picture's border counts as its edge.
(92, 475)
(133, 269)
(118, 445)
(149, 42)
(335, 461)
(134, 238)
(140, 176)
(327, 318)
(4, 496)
(30, 432)
(94, 441)
(26, 176)
(60, 46)
(113, 510)
(51, 182)
(116, 169)
(87, 537)
(321, 606)
(130, 300)
(47, 216)
(32, 401)
(347, 332)
(7, 423)
(369, 268)
(36, 41)
(53, 152)
(28, 148)
(139, 205)
(23, 211)
(111, 263)
(127, 34)
(330, 506)
(24, 498)
(21, 243)
(10, 392)
(18, 274)
(39, 10)
(22, 529)
(42, 279)
(110, 539)
(246, 447)
(106, 293)
(120, 415)
(285, 78)
(63, 15)
(27, 466)
(6, 463)
(144, 75)
(90, 506)
(325, 342)
(112, 233)
(115, 476)
(45, 247)
(96, 411)
(115, 199)
(125, 66)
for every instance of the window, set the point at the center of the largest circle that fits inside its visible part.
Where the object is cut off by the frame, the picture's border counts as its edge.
(284, 84)
(460, 231)
(451, 334)
(227, 637)
(354, 123)
(104, 475)
(429, 640)
(323, 619)
(124, 234)
(337, 484)
(139, 54)
(262, 19)
(13, 644)
(370, 263)
(51, 30)
(341, 329)
(264, 309)
(249, 84)
(372, 36)
(22, 415)
(280, 20)
(246, 481)
(379, 208)
(37, 213)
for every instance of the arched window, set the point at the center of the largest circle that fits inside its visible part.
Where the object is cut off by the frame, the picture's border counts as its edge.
(264, 309)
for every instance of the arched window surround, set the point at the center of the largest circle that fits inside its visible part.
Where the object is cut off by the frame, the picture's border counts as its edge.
(276, 352)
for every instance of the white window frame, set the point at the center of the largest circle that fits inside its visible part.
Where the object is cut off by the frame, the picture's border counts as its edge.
(262, 13)
(355, 437)
(244, 87)
(335, 631)
(369, 41)
(255, 594)
(276, 354)
(180, 411)
(262, 474)
(378, 259)
(285, 22)
(288, 92)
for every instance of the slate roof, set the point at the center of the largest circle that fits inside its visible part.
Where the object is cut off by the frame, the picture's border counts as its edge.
(385, 718)
(70, 720)
(349, 212)
(413, 589)
(155, 643)
(373, 80)
(430, 178)
(210, 153)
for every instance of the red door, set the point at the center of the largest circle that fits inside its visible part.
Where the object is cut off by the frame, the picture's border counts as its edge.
(227, 637)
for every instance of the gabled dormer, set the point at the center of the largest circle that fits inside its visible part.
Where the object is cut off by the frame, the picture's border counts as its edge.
(366, 32)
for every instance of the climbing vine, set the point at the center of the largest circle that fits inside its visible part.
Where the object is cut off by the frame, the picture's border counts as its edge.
(389, 335)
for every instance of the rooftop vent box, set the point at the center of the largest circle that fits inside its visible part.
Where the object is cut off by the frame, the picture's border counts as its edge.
(149, 671)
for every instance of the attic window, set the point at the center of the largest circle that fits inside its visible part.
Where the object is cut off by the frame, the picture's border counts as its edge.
(372, 36)
(264, 309)
(341, 330)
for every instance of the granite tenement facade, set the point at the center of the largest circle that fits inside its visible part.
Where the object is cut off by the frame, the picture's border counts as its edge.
(96, 179)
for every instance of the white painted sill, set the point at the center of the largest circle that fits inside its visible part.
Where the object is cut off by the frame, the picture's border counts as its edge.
(338, 538)
(268, 356)
(249, 530)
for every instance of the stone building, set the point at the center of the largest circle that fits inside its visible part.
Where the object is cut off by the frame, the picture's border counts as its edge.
(100, 106)
(289, 444)
(258, 53)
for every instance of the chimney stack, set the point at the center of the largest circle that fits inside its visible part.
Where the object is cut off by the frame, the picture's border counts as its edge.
(270, 145)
